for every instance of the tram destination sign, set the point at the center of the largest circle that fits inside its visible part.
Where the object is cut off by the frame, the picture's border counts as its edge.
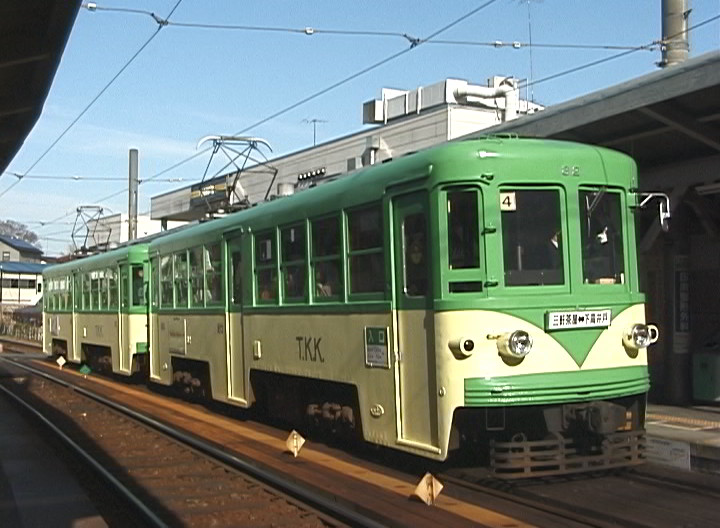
(578, 319)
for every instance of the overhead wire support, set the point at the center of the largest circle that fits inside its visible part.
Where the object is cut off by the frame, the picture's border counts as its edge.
(585, 66)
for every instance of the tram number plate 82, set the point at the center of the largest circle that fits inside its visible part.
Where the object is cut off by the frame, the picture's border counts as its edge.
(578, 319)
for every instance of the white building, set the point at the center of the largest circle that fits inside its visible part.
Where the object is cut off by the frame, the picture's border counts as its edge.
(110, 231)
(407, 121)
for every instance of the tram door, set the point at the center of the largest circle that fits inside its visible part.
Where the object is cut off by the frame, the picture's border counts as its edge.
(414, 324)
(123, 319)
(233, 321)
(74, 350)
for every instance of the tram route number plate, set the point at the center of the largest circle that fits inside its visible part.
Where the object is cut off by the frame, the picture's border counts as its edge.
(578, 319)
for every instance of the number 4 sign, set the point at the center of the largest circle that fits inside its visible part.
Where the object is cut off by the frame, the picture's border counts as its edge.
(507, 201)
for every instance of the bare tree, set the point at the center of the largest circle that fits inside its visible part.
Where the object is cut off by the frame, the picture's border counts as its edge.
(18, 230)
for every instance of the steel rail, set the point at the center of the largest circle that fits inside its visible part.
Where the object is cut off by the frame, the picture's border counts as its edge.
(344, 513)
(146, 512)
(544, 504)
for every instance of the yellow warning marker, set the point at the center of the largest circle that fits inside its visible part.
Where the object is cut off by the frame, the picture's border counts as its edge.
(295, 442)
(61, 362)
(428, 489)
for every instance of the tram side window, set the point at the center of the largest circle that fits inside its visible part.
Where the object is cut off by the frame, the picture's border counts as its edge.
(326, 263)
(113, 288)
(155, 279)
(137, 285)
(68, 293)
(602, 237)
(265, 267)
(95, 290)
(532, 237)
(180, 279)
(463, 249)
(124, 284)
(86, 291)
(197, 277)
(294, 263)
(166, 282)
(213, 274)
(78, 292)
(367, 266)
(236, 269)
(415, 255)
(47, 299)
(103, 302)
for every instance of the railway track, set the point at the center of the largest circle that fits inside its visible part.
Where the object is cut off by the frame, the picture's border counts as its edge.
(642, 497)
(346, 493)
(167, 476)
(650, 496)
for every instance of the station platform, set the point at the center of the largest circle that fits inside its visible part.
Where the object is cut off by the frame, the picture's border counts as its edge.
(36, 488)
(684, 437)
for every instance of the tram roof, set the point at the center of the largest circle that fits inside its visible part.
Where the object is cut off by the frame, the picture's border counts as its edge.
(368, 184)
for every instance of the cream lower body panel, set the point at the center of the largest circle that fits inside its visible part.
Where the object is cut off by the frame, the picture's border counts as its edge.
(120, 334)
(196, 337)
(58, 326)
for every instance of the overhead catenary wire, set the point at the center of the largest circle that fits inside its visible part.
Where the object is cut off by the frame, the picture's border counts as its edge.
(627, 50)
(91, 103)
(310, 97)
(311, 31)
(78, 177)
(616, 56)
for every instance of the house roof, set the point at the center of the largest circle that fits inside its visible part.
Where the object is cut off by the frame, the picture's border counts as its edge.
(20, 245)
(22, 267)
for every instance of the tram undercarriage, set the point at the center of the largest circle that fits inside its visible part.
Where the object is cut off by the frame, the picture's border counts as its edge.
(534, 441)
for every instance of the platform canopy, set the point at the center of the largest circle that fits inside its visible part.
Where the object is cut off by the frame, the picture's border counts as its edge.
(33, 34)
(662, 118)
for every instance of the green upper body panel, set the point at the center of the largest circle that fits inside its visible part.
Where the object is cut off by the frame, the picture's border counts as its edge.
(509, 160)
(134, 254)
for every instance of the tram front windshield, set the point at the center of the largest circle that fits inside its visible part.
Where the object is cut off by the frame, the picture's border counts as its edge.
(532, 237)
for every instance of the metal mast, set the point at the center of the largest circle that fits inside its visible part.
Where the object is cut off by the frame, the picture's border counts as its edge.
(675, 49)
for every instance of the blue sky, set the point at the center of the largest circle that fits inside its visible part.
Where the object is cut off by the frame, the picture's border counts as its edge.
(191, 82)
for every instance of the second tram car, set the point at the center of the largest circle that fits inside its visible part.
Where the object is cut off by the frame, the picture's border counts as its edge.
(481, 295)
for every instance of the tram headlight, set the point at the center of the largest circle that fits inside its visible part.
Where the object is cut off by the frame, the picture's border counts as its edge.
(640, 336)
(515, 345)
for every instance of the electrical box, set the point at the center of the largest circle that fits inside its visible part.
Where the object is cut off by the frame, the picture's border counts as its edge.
(706, 377)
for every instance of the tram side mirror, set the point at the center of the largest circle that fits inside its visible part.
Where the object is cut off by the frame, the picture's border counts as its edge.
(663, 206)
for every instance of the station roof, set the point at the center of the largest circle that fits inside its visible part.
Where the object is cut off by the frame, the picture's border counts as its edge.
(665, 117)
(22, 267)
(20, 245)
(33, 34)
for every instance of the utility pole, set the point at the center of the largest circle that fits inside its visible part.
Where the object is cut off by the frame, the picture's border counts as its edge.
(675, 48)
(314, 122)
(133, 195)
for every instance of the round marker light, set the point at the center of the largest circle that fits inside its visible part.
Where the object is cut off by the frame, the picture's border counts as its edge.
(640, 336)
(520, 343)
(514, 346)
(462, 347)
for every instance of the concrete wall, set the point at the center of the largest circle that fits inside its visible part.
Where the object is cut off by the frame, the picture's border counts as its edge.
(14, 254)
